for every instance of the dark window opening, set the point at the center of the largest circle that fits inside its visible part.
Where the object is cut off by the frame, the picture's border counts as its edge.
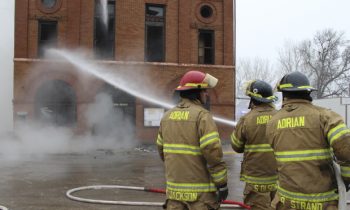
(47, 36)
(55, 104)
(104, 31)
(206, 47)
(155, 39)
(206, 11)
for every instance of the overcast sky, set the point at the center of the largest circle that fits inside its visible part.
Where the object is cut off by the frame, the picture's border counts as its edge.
(262, 28)
(264, 25)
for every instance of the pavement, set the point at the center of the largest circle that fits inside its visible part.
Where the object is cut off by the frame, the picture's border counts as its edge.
(40, 182)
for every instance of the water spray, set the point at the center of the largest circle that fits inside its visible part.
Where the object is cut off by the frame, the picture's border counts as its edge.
(104, 11)
(109, 77)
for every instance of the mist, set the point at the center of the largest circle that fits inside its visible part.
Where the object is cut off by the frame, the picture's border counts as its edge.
(109, 125)
(34, 139)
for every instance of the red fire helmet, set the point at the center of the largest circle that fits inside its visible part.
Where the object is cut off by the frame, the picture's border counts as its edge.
(196, 80)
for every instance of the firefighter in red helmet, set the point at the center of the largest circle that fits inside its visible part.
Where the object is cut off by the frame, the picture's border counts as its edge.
(189, 144)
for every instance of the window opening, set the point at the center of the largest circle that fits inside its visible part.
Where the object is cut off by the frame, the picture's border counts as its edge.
(206, 11)
(55, 103)
(206, 47)
(49, 3)
(47, 36)
(155, 39)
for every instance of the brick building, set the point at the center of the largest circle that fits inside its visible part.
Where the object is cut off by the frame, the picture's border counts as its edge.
(160, 39)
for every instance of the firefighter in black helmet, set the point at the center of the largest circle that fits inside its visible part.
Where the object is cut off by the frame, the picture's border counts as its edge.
(295, 85)
(304, 138)
(259, 92)
(258, 169)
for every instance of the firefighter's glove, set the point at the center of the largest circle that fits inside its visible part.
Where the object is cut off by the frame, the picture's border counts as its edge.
(222, 192)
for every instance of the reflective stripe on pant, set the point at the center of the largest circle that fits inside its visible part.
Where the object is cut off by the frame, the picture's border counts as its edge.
(257, 200)
(206, 201)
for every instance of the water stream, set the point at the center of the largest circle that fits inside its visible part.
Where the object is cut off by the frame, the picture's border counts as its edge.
(118, 82)
(104, 11)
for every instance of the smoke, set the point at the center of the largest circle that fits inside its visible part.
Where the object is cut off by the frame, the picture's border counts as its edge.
(33, 138)
(110, 131)
(109, 124)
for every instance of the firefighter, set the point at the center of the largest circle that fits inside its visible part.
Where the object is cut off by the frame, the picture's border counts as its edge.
(258, 169)
(189, 144)
(305, 139)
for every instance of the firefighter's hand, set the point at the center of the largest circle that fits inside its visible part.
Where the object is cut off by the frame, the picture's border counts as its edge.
(222, 192)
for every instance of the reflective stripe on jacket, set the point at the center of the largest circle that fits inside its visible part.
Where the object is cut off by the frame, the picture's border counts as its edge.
(188, 141)
(259, 165)
(304, 138)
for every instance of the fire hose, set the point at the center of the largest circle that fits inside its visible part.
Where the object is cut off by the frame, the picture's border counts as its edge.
(225, 204)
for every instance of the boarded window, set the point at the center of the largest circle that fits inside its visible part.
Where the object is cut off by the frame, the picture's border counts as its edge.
(206, 50)
(154, 20)
(47, 36)
(104, 29)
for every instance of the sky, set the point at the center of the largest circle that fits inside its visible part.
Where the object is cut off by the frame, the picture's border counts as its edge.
(262, 27)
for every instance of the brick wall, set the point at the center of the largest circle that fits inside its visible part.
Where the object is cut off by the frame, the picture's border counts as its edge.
(75, 30)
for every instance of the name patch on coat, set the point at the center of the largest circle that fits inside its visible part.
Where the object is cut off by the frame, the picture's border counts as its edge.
(179, 115)
(291, 122)
(263, 119)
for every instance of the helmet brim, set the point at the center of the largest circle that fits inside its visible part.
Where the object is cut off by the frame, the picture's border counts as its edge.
(183, 88)
(263, 100)
(293, 89)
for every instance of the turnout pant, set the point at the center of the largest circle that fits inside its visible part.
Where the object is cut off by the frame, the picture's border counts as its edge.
(205, 201)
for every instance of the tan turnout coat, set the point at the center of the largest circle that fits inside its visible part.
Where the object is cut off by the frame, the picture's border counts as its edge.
(259, 166)
(305, 138)
(188, 142)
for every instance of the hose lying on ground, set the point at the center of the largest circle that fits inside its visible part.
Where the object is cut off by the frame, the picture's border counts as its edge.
(225, 204)
(242, 205)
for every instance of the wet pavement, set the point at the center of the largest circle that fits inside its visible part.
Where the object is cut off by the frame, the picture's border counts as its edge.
(41, 182)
